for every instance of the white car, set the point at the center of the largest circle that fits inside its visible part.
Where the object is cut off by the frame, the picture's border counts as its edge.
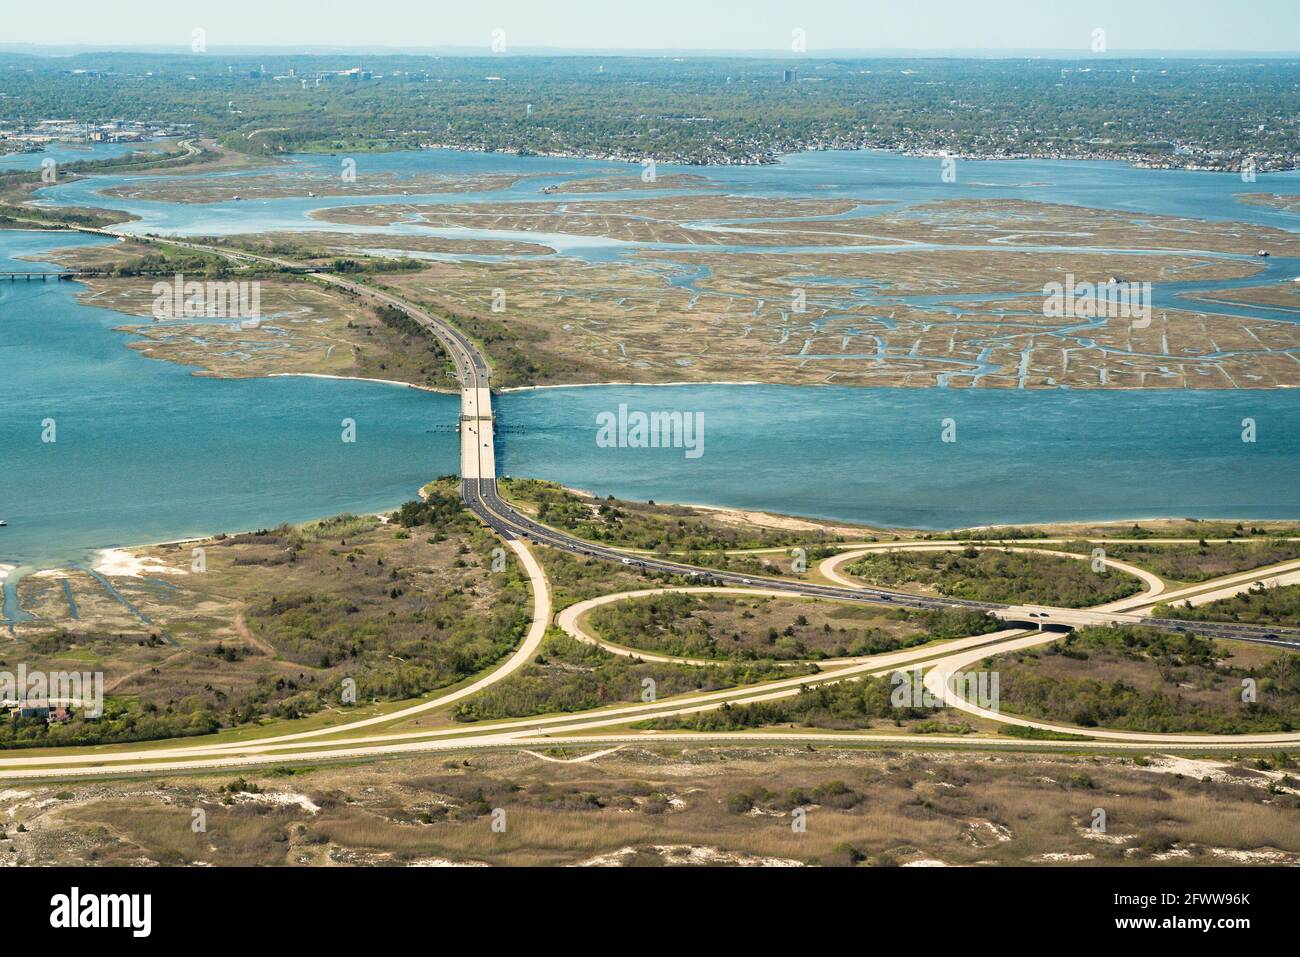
(627, 561)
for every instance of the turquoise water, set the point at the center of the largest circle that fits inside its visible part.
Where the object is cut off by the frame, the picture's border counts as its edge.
(875, 455)
(887, 177)
(146, 451)
(66, 153)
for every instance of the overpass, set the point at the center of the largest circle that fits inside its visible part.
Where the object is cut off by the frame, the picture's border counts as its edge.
(1048, 618)
(601, 726)
(479, 492)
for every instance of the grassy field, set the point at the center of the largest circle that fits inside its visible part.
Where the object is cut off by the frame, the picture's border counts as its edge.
(1192, 529)
(1200, 560)
(868, 703)
(570, 321)
(275, 622)
(995, 575)
(303, 326)
(704, 805)
(1136, 679)
(569, 675)
(784, 629)
(281, 181)
(1262, 605)
(666, 528)
(575, 578)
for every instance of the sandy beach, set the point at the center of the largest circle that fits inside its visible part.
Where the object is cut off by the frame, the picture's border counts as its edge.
(122, 563)
(356, 378)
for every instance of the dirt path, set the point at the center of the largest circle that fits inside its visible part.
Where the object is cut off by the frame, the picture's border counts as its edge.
(246, 633)
(117, 682)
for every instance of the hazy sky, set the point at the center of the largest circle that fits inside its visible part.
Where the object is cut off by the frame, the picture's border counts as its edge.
(1264, 25)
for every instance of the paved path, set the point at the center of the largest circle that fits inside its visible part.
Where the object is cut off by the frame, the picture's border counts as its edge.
(939, 680)
(570, 621)
(829, 568)
(590, 728)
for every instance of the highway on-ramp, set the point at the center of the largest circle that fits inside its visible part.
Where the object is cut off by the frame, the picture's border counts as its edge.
(372, 737)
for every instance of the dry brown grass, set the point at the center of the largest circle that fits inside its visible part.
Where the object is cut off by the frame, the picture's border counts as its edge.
(905, 807)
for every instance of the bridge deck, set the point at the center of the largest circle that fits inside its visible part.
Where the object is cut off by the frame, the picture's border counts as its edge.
(477, 440)
(29, 275)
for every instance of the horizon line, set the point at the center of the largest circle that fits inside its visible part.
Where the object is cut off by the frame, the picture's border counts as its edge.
(70, 49)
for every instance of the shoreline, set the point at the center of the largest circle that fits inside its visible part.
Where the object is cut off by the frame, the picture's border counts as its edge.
(120, 561)
(104, 557)
(598, 385)
(344, 378)
(774, 157)
(111, 556)
(884, 388)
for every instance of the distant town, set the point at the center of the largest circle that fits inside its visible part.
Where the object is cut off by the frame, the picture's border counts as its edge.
(1192, 114)
(358, 509)
(35, 137)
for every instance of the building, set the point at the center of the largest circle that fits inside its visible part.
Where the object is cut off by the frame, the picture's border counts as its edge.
(34, 708)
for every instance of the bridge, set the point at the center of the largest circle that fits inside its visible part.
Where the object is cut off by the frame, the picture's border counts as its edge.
(477, 426)
(478, 472)
(58, 275)
(62, 275)
(1047, 618)
(479, 491)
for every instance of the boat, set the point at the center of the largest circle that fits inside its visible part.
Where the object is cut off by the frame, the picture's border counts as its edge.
(1264, 253)
(3, 523)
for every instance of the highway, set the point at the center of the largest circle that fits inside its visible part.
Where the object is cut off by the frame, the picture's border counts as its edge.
(602, 727)
(480, 494)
